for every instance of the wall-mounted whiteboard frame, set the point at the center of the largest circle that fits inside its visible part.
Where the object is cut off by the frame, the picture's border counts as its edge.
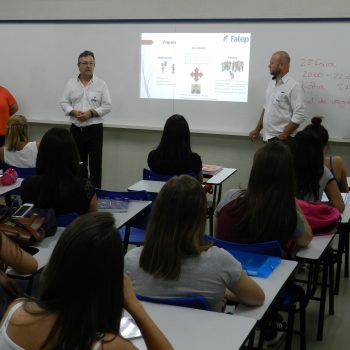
(41, 56)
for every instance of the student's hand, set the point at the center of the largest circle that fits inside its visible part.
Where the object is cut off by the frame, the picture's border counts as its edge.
(130, 300)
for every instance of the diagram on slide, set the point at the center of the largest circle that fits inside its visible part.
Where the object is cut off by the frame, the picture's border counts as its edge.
(195, 66)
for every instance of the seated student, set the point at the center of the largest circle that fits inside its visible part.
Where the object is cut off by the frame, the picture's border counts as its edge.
(58, 184)
(176, 261)
(18, 151)
(334, 163)
(312, 176)
(82, 297)
(174, 156)
(267, 210)
(12, 255)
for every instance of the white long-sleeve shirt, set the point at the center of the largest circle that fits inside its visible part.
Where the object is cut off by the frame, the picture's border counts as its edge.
(284, 103)
(94, 95)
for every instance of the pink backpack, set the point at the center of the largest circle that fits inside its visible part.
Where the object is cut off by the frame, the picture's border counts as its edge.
(322, 218)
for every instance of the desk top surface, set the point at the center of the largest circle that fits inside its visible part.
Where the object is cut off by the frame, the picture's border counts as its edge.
(197, 329)
(271, 287)
(147, 185)
(48, 244)
(221, 176)
(316, 247)
(5, 189)
(135, 207)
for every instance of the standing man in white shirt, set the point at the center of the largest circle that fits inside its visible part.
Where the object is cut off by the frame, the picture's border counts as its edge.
(284, 108)
(86, 100)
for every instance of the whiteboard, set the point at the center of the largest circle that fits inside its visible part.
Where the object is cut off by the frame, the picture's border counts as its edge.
(41, 57)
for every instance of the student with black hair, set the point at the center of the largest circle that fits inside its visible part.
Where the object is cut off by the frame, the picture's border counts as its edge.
(174, 156)
(82, 297)
(58, 183)
(334, 163)
(312, 176)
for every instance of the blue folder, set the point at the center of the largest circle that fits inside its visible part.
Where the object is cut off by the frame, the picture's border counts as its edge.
(256, 264)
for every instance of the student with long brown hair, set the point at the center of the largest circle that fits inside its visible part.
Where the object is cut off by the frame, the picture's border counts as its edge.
(81, 301)
(267, 210)
(176, 260)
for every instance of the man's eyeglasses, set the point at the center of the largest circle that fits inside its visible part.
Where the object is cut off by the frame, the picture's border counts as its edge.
(87, 63)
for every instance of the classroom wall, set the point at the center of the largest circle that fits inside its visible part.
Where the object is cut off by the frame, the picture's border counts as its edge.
(170, 9)
(125, 150)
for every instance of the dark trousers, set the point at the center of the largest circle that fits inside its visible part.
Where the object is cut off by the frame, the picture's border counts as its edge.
(287, 142)
(89, 140)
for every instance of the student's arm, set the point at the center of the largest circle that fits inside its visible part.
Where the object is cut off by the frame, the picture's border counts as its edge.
(306, 238)
(93, 204)
(216, 226)
(200, 176)
(343, 185)
(334, 196)
(246, 291)
(254, 134)
(152, 335)
(12, 255)
(2, 157)
(13, 108)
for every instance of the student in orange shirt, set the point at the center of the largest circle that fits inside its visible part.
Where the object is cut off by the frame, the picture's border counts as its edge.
(8, 107)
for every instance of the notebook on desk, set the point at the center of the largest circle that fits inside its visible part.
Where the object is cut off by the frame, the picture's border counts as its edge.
(113, 205)
(210, 169)
(256, 264)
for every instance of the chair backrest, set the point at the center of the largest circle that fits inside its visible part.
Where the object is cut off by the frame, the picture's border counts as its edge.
(22, 172)
(153, 176)
(64, 220)
(133, 195)
(272, 248)
(194, 301)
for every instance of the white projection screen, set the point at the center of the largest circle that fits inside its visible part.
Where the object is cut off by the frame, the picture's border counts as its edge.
(232, 71)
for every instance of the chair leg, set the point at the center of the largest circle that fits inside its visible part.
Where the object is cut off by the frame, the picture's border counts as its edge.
(331, 284)
(339, 257)
(290, 328)
(302, 326)
(322, 303)
(346, 249)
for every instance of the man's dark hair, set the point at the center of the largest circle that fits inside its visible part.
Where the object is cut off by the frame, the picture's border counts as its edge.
(86, 54)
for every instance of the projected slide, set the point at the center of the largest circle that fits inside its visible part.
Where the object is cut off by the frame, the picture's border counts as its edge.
(195, 66)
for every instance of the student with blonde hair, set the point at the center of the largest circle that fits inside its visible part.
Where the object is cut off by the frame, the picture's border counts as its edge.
(18, 151)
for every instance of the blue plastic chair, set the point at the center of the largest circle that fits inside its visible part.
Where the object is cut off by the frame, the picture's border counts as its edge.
(272, 248)
(194, 302)
(153, 176)
(291, 295)
(22, 172)
(134, 233)
(65, 219)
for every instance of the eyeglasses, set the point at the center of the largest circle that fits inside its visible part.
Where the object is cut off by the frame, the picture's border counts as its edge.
(87, 63)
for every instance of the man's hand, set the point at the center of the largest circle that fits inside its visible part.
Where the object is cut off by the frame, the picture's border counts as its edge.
(253, 135)
(282, 137)
(81, 116)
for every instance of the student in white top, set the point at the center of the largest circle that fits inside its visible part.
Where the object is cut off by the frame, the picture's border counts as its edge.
(18, 151)
(82, 297)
